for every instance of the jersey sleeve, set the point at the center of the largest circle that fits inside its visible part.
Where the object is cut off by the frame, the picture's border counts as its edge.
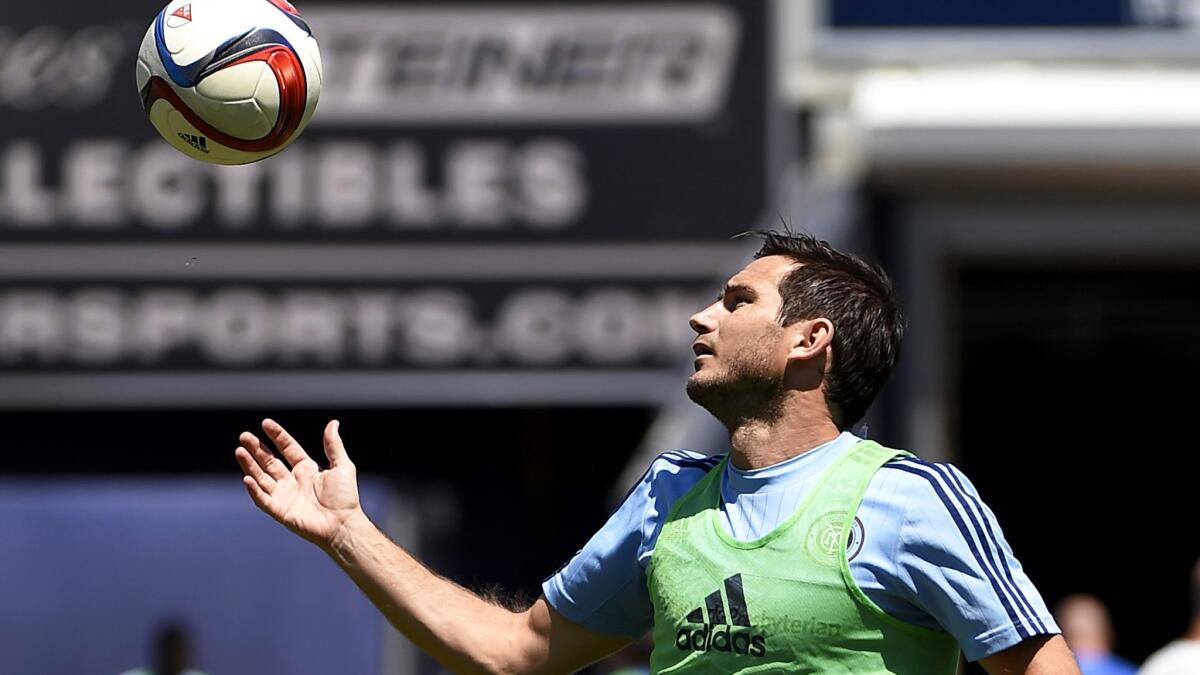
(953, 563)
(603, 587)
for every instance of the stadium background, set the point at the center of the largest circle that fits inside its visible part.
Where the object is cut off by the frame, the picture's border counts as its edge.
(487, 279)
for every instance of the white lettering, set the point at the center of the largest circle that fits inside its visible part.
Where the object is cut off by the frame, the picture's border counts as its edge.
(610, 329)
(606, 64)
(533, 327)
(290, 196)
(330, 186)
(93, 182)
(412, 203)
(29, 203)
(346, 184)
(46, 67)
(476, 192)
(163, 321)
(167, 187)
(237, 193)
(438, 328)
(291, 328)
(666, 319)
(372, 325)
(310, 326)
(30, 326)
(237, 326)
(552, 189)
(96, 326)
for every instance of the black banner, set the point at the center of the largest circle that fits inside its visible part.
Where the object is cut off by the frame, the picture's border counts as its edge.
(484, 186)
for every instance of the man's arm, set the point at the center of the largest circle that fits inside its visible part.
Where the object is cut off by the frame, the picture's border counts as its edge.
(458, 628)
(1042, 655)
(953, 564)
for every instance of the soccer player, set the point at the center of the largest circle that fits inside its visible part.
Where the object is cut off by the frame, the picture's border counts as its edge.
(805, 550)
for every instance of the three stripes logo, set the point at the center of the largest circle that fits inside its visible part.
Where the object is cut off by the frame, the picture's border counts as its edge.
(196, 141)
(722, 631)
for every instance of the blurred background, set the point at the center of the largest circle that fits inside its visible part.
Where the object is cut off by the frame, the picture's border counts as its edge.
(485, 273)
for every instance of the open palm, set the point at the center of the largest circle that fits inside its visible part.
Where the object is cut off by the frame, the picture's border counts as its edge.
(310, 501)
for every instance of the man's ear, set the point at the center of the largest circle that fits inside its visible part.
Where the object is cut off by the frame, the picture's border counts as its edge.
(810, 339)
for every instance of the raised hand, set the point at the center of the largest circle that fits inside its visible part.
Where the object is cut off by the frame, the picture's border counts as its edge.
(311, 502)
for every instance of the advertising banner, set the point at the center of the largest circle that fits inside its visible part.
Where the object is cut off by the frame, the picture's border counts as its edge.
(486, 190)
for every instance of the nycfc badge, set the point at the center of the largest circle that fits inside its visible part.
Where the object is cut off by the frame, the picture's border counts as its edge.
(828, 537)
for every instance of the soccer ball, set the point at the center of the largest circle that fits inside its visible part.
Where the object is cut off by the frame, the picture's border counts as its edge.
(229, 81)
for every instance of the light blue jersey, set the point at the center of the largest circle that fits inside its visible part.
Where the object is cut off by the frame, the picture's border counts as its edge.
(924, 547)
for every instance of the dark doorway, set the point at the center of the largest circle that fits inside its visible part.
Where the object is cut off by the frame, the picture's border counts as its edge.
(1076, 387)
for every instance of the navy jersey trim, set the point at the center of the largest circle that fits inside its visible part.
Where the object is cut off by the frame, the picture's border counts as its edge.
(683, 461)
(1004, 566)
(675, 458)
(957, 508)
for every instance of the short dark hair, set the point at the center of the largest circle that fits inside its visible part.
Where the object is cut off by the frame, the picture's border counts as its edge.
(857, 296)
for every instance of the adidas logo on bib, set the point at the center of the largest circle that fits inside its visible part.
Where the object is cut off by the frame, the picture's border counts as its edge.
(723, 631)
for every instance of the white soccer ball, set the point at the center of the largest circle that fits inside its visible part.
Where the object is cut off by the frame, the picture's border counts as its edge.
(229, 81)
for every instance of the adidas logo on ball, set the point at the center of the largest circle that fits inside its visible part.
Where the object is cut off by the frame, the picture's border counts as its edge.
(198, 142)
(237, 81)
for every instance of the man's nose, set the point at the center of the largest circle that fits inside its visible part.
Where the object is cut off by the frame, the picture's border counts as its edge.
(702, 321)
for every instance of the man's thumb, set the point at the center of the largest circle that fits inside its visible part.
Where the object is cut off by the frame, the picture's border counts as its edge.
(335, 450)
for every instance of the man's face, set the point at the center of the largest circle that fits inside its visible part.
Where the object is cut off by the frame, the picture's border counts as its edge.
(741, 349)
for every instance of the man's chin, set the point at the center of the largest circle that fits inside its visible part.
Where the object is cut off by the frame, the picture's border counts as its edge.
(728, 398)
(703, 388)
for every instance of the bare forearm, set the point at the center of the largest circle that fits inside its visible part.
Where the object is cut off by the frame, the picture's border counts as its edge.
(1044, 655)
(458, 628)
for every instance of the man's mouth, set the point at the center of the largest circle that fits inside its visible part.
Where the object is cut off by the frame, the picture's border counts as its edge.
(701, 351)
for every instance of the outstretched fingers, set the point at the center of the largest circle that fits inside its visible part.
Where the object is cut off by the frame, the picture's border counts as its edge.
(253, 471)
(271, 466)
(256, 493)
(288, 447)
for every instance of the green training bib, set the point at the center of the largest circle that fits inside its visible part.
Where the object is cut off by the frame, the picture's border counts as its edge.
(785, 603)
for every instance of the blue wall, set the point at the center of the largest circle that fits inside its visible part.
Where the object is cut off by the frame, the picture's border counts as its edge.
(89, 569)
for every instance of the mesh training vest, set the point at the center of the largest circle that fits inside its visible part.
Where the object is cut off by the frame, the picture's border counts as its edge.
(785, 603)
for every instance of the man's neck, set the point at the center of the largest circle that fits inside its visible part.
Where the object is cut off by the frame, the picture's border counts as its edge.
(758, 443)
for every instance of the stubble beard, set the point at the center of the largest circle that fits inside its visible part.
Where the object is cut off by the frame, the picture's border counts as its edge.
(746, 390)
